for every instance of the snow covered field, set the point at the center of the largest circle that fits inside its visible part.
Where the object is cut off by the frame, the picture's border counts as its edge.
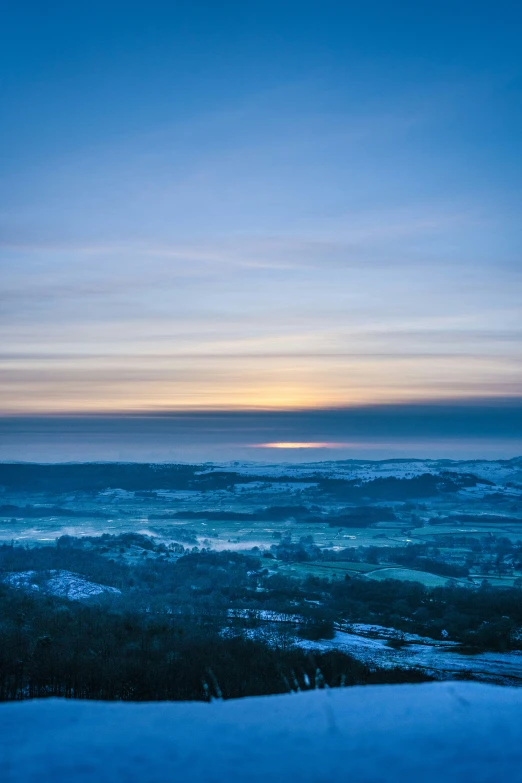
(498, 471)
(456, 732)
(434, 657)
(437, 658)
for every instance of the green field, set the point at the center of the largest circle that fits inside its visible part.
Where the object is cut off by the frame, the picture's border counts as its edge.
(411, 575)
(338, 570)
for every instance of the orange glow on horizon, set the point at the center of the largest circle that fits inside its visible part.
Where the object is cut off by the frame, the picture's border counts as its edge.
(299, 445)
(129, 384)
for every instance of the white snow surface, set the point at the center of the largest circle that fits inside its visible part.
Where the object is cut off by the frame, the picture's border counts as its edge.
(265, 615)
(456, 732)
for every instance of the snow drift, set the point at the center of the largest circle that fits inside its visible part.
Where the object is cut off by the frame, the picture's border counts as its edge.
(443, 731)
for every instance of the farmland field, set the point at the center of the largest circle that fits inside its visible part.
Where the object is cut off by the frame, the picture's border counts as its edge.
(324, 510)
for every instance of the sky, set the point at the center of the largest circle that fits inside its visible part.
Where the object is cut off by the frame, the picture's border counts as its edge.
(236, 206)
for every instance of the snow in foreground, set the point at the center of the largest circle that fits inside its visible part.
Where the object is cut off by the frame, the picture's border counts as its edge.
(439, 731)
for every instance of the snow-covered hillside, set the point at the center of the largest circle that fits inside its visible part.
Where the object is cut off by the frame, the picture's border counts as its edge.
(456, 732)
(61, 583)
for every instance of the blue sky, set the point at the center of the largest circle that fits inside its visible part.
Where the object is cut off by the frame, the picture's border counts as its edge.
(259, 205)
